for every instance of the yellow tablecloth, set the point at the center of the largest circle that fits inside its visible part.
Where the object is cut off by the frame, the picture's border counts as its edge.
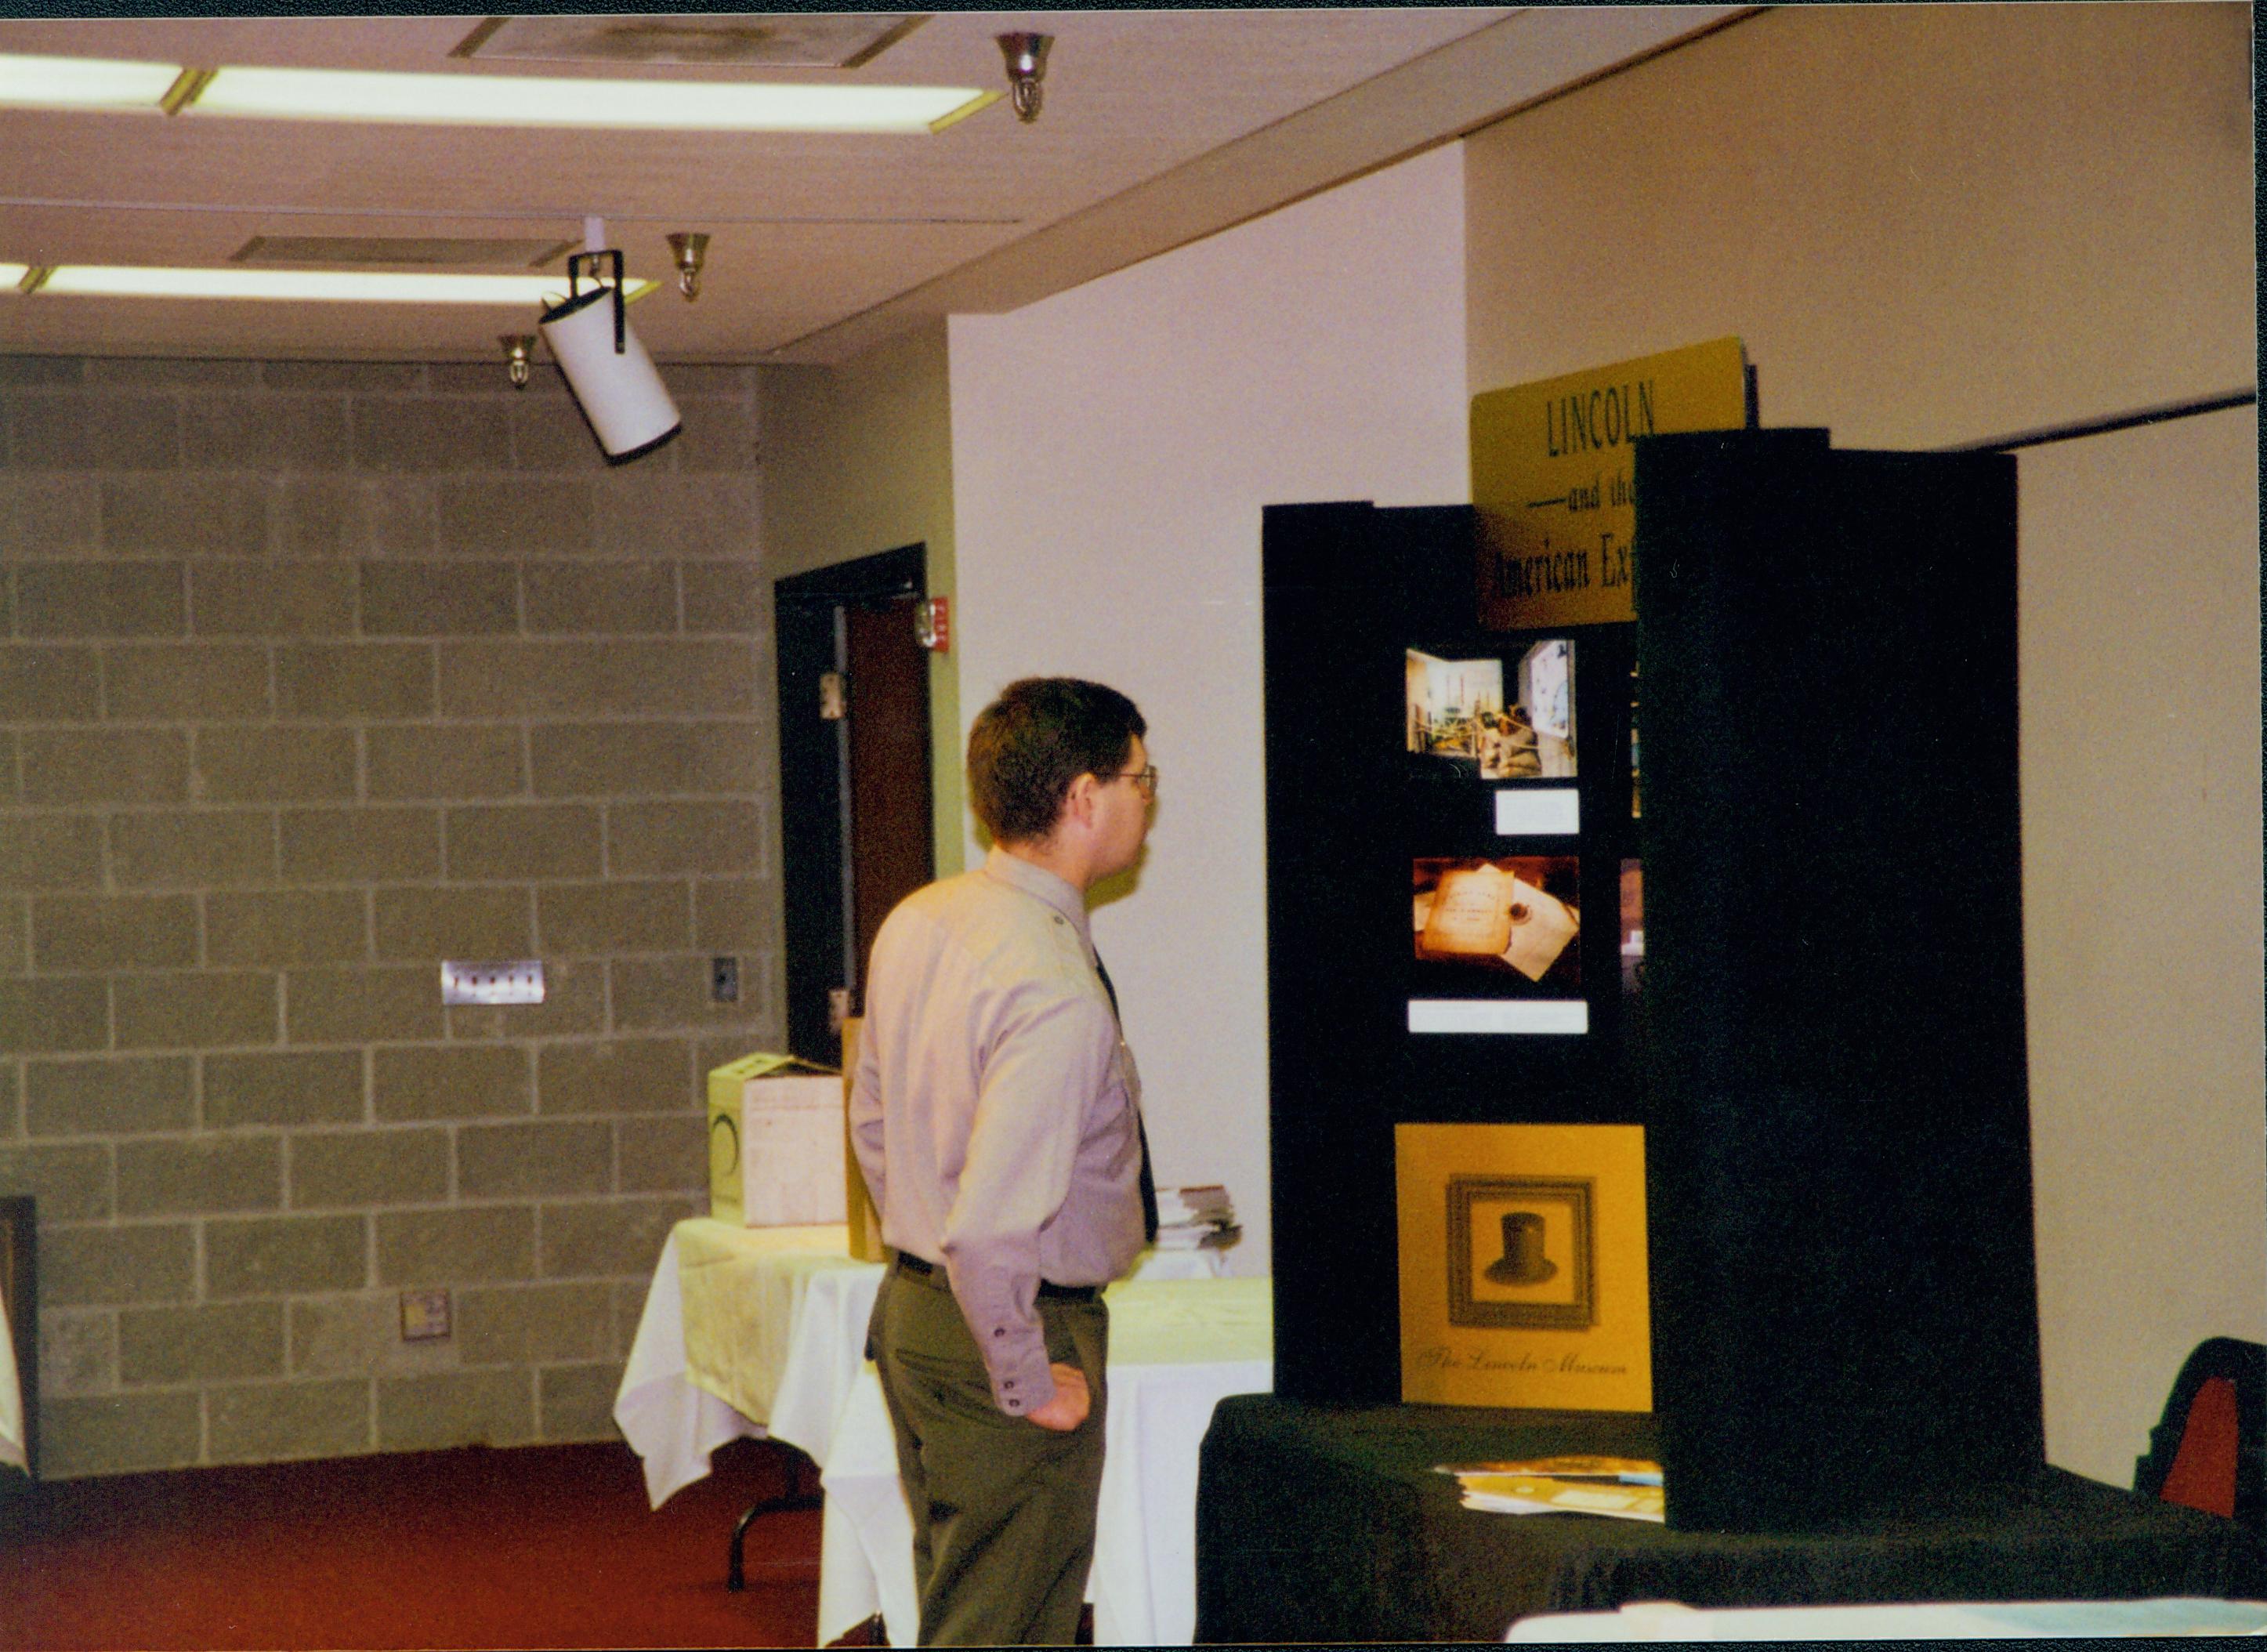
(741, 1290)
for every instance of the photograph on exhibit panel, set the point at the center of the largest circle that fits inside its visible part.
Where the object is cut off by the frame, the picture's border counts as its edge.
(1494, 719)
(1514, 917)
(1632, 927)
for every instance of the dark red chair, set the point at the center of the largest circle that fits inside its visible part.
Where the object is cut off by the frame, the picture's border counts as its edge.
(2209, 1451)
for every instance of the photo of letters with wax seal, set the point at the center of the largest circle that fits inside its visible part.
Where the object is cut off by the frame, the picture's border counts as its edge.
(1522, 1252)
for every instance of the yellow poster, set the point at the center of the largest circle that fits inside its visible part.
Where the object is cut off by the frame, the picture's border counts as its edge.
(1551, 478)
(1523, 1266)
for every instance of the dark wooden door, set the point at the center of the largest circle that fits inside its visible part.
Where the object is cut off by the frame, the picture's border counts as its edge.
(855, 788)
(888, 728)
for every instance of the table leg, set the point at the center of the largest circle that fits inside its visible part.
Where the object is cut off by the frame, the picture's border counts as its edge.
(735, 1574)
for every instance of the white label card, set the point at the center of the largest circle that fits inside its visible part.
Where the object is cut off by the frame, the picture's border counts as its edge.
(1499, 1015)
(1552, 812)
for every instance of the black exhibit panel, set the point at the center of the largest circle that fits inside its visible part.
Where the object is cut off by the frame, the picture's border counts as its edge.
(1370, 816)
(1837, 1148)
(1337, 905)
(1815, 1009)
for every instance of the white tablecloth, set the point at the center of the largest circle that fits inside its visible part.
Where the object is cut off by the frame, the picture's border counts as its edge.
(670, 1419)
(772, 1341)
(11, 1399)
(1998, 1620)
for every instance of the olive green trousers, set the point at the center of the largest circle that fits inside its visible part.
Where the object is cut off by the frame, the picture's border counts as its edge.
(1003, 1510)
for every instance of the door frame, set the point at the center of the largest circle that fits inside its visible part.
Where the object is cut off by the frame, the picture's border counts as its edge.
(814, 891)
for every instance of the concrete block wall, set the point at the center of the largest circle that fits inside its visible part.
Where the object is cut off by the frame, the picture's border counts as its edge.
(312, 675)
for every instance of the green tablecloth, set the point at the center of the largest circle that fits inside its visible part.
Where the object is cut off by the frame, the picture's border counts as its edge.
(1320, 1523)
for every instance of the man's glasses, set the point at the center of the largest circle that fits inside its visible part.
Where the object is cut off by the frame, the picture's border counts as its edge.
(1145, 781)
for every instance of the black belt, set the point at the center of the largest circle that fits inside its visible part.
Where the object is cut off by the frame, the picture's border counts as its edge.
(908, 1263)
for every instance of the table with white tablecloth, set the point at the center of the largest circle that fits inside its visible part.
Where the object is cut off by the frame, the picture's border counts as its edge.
(13, 1433)
(761, 1331)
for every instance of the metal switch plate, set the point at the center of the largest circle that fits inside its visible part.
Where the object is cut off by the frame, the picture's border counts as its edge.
(517, 980)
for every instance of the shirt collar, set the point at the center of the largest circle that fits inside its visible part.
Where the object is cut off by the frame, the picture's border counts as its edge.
(1042, 885)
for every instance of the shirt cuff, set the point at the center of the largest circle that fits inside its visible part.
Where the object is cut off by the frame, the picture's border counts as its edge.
(1018, 1365)
(1014, 1353)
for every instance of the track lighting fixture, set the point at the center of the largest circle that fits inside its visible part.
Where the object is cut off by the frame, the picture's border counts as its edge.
(519, 354)
(614, 381)
(1027, 66)
(689, 248)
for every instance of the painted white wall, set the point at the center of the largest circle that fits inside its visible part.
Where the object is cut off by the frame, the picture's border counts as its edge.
(858, 460)
(1112, 449)
(1942, 224)
(2141, 915)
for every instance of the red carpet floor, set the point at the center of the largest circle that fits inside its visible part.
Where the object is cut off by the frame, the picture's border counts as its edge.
(532, 1546)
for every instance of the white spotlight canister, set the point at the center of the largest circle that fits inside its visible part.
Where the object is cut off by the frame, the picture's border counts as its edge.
(619, 391)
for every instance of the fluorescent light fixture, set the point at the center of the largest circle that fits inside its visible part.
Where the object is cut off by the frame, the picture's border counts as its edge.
(715, 106)
(112, 281)
(83, 83)
(11, 274)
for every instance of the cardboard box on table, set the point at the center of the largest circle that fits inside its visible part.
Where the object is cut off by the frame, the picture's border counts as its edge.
(776, 1143)
(778, 1147)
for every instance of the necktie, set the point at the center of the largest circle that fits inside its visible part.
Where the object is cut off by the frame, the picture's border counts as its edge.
(1149, 1179)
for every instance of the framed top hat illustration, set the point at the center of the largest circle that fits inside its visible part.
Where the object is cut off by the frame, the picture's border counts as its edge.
(1522, 1266)
(1522, 1252)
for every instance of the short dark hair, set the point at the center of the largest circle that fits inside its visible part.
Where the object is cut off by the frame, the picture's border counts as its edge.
(1027, 746)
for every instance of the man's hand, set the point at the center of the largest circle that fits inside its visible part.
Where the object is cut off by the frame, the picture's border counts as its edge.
(1068, 1408)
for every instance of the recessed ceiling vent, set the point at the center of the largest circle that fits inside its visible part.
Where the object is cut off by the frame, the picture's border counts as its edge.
(790, 40)
(425, 251)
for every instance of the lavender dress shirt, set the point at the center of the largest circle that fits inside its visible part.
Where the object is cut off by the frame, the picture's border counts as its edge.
(995, 1108)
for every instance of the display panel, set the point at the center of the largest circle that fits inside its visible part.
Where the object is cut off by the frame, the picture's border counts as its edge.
(1522, 1266)
(1363, 785)
(1757, 1017)
(1516, 816)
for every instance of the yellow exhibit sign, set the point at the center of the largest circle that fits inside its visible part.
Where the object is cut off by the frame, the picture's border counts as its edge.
(1551, 478)
(1523, 1266)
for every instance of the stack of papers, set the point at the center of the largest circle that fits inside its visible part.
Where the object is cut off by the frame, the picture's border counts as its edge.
(1622, 1487)
(1191, 1218)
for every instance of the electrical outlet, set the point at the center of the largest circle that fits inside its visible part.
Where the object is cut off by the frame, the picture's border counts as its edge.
(424, 1315)
(724, 979)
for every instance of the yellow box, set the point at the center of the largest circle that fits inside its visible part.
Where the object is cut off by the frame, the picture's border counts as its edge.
(865, 1220)
(776, 1143)
(1523, 1266)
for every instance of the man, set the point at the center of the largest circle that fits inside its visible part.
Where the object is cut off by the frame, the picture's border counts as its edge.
(995, 1113)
